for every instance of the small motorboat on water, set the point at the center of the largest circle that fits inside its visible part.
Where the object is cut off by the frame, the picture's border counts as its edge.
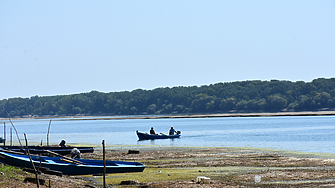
(70, 166)
(147, 136)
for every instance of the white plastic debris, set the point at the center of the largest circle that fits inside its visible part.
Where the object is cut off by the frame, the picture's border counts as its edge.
(257, 178)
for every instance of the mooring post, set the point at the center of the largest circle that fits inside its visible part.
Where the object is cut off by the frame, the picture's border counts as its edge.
(11, 138)
(4, 133)
(48, 133)
(104, 159)
(32, 163)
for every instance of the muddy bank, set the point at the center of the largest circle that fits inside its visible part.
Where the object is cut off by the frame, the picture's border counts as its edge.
(224, 167)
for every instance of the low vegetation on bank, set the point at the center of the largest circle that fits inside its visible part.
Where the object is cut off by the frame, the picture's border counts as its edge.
(11, 176)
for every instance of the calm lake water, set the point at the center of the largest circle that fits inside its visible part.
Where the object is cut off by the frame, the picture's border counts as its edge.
(305, 133)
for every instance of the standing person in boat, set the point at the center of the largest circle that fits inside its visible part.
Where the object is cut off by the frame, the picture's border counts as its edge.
(172, 131)
(152, 131)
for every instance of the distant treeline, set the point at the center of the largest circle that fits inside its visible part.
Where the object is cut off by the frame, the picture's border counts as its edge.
(244, 96)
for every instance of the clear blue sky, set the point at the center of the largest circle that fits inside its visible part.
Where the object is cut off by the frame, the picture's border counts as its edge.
(67, 47)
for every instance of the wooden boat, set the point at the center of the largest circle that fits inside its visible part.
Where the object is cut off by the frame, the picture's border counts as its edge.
(41, 149)
(146, 136)
(70, 166)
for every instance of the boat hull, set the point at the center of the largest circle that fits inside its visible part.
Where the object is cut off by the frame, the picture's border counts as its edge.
(146, 136)
(68, 168)
(41, 149)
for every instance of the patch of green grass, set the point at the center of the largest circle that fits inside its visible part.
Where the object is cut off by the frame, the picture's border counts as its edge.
(9, 173)
(153, 175)
(174, 174)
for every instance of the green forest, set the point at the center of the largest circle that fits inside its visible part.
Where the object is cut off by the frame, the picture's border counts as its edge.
(227, 97)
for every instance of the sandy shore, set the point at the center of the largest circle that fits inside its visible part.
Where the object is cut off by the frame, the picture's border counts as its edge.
(265, 114)
(307, 113)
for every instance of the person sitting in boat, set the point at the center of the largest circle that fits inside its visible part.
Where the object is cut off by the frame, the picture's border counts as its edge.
(62, 143)
(152, 131)
(172, 131)
(75, 153)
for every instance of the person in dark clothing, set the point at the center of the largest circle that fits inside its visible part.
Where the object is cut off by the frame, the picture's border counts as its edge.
(152, 131)
(62, 143)
(172, 131)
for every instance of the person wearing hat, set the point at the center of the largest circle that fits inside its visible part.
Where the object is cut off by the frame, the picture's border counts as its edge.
(172, 131)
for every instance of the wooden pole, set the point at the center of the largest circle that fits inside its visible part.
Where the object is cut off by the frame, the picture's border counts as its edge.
(48, 133)
(17, 134)
(4, 133)
(104, 159)
(69, 161)
(59, 155)
(32, 163)
(11, 138)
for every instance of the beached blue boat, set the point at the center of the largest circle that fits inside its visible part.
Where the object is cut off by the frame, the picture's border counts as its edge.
(70, 166)
(41, 149)
(146, 136)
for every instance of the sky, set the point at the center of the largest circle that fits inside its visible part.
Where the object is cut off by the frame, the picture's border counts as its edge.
(68, 47)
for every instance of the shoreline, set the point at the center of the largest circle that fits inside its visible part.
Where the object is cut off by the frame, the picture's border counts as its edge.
(150, 148)
(180, 167)
(226, 167)
(239, 114)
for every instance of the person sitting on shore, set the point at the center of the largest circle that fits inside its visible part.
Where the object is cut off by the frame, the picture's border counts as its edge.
(152, 131)
(172, 131)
